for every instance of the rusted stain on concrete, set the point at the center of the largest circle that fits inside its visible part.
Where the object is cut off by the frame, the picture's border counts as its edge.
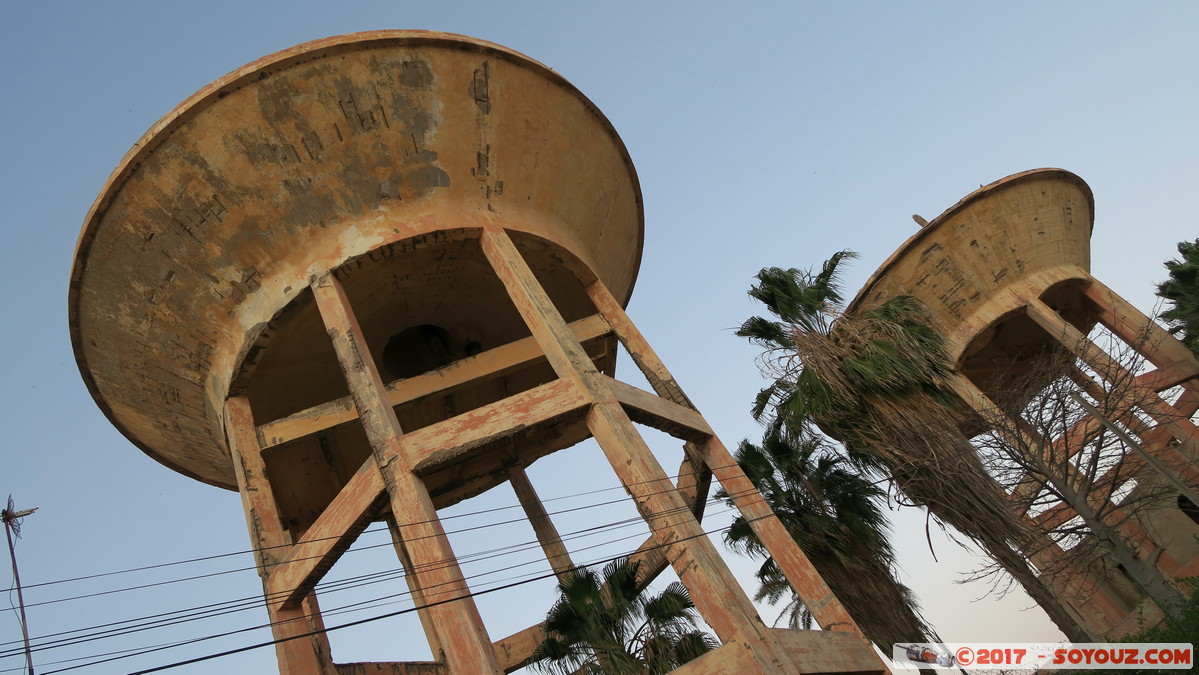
(293, 165)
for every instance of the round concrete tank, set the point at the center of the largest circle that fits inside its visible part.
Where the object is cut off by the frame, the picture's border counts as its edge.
(1028, 230)
(379, 154)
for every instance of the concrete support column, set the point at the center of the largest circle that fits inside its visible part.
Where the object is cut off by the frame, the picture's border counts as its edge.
(716, 593)
(1142, 397)
(465, 646)
(307, 655)
(547, 534)
(826, 609)
(418, 595)
(1134, 327)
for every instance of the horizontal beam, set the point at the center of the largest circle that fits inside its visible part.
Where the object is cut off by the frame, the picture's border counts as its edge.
(1171, 375)
(491, 363)
(646, 408)
(392, 668)
(513, 651)
(430, 448)
(438, 445)
(1112, 371)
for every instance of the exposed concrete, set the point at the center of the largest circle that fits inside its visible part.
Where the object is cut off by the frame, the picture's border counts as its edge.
(374, 275)
(301, 161)
(1006, 275)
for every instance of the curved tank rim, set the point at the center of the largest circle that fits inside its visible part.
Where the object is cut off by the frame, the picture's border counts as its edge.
(235, 79)
(1047, 173)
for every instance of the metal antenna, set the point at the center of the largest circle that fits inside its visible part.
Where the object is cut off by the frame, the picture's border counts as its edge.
(12, 525)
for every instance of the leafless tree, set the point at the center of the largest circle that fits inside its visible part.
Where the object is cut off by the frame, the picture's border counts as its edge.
(1082, 460)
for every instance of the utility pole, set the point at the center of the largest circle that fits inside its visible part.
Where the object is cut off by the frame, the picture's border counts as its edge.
(12, 525)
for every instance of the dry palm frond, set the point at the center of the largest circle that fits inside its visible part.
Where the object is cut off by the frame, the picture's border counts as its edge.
(878, 381)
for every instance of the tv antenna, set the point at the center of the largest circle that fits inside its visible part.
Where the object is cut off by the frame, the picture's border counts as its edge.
(12, 525)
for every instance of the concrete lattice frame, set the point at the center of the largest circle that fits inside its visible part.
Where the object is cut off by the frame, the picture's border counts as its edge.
(242, 274)
(1005, 273)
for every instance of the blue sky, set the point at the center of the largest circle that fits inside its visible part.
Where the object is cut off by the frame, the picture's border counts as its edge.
(768, 133)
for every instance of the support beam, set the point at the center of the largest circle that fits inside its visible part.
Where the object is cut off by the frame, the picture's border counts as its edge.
(444, 443)
(418, 594)
(1155, 439)
(1165, 472)
(1138, 330)
(645, 408)
(716, 593)
(547, 534)
(326, 539)
(297, 656)
(1165, 377)
(513, 651)
(1078, 344)
(466, 646)
(486, 365)
(826, 609)
(430, 448)
(1028, 440)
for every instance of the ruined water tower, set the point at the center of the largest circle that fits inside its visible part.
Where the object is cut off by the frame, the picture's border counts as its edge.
(371, 276)
(1006, 275)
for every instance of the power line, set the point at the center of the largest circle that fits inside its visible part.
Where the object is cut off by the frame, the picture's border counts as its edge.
(463, 530)
(394, 574)
(375, 600)
(263, 549)
(383, 576)
(352, 623)
(335, 611)
(352, 582)
(232, 606)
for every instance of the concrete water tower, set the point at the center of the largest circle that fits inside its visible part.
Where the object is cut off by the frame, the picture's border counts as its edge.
(371, 276)
(1006, 275)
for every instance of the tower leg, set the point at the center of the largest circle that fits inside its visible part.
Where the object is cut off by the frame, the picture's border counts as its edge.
(1138, 330)
(543, 527)
(1142, 397)
(307, 655)
(459, 627)
(418, 594)
(716, 593)
(826, 609)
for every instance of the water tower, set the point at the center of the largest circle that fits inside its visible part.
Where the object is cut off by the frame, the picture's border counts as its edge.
(371, 276)
(1006, 275)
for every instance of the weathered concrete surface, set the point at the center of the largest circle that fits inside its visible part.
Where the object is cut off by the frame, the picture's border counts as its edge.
(298, 162)
(371, 276)
(1006, 275)
(1031, 224)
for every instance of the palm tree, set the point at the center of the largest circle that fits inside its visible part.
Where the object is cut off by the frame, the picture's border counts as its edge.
(877, 380)
(826, 363)
(603, 623)
(1182, 290)
(834, 515)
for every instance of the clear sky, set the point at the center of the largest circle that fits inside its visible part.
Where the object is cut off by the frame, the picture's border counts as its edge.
(768, 133)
